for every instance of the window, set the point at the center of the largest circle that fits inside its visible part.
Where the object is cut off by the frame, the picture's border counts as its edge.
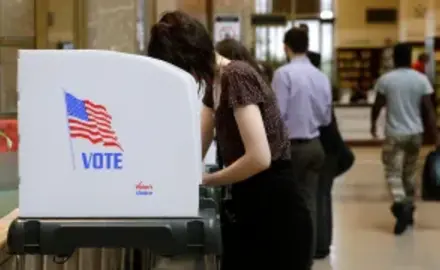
(327, 48)
(326, 5)
(263, 6)
(269, 39)
(327, 41)
(269, 42)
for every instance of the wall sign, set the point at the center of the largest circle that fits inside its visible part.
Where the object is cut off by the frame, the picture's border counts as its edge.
(227, 26)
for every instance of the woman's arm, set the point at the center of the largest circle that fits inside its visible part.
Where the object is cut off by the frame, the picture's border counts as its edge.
(207, 128)
(257, 155)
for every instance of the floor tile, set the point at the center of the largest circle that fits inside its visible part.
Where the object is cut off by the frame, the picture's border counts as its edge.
(363, 238)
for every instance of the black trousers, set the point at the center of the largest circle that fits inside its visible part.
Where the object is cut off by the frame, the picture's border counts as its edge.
(273, 228)
(307, 162)
(324, 208)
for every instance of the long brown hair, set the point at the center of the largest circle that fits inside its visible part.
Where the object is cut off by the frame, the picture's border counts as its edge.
(234, 50)
(184, 42)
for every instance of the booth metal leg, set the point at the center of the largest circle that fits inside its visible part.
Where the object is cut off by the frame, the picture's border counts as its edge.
(123, 258)
(200, 262)
(83, 259)
(21, 262)
(148, 261)
(211, 263)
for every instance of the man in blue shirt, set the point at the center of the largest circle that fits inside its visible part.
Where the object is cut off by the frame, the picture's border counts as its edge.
(305, 100)
(404, 92)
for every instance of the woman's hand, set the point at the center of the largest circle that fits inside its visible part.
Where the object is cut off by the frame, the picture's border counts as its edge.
(208, 179)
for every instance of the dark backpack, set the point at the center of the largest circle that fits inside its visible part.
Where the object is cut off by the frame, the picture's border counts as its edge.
(431, 177)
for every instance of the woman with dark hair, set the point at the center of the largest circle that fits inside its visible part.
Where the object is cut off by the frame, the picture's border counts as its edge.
(273, 221)
(235, 50)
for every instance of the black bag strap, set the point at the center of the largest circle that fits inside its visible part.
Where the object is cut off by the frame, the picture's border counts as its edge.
(219, 159)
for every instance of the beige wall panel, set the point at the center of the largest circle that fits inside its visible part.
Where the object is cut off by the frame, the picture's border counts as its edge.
(62, 28)
(112, 25)
(351, 29)
(17, 18)
(8, 79)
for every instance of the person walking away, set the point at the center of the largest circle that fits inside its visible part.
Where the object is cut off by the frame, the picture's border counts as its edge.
(305, 100)
(405, 93)
(421, 62)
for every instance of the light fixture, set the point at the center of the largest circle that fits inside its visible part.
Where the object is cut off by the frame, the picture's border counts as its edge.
(326, 15)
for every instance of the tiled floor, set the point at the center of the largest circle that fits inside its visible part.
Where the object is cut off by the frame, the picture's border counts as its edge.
(363, 238)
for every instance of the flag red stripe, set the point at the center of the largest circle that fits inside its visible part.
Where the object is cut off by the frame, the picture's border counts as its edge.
(95, 140)
(74, 121)
(112, 144)
(98, 111)
(92, 133)
(95, 128)
(111, 136)
(104, 116)
(99, 120)
(83, 136)
(94, 105)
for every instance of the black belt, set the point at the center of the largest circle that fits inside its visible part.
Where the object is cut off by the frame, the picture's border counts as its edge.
(301, 141)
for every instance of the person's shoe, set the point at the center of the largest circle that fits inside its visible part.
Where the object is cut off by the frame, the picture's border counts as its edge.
(402, 212)
(320, 255)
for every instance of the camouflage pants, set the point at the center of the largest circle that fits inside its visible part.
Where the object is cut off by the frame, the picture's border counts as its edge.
(399, 156)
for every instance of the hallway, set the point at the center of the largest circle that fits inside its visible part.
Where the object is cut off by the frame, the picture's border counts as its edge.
(363, 238)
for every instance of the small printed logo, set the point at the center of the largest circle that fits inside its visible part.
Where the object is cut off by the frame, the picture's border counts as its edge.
(144, 190)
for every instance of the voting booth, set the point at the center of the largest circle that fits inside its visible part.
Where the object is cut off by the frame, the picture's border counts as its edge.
(109, 155)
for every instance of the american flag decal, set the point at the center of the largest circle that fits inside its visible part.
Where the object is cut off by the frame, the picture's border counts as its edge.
(90, 121)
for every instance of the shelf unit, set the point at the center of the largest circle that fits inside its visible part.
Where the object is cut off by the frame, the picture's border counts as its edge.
(358, 68)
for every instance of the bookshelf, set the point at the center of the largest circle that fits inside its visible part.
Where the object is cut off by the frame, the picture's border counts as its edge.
(358, 68)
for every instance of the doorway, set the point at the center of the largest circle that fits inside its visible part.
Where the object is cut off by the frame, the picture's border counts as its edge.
(35, 24)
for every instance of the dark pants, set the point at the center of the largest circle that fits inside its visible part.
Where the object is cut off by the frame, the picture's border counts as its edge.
(307, 161)
(324, 207)
(273, 227)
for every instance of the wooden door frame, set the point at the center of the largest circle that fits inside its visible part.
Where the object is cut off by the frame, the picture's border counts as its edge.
(41, 8)
(80, 24)
(80, 19)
